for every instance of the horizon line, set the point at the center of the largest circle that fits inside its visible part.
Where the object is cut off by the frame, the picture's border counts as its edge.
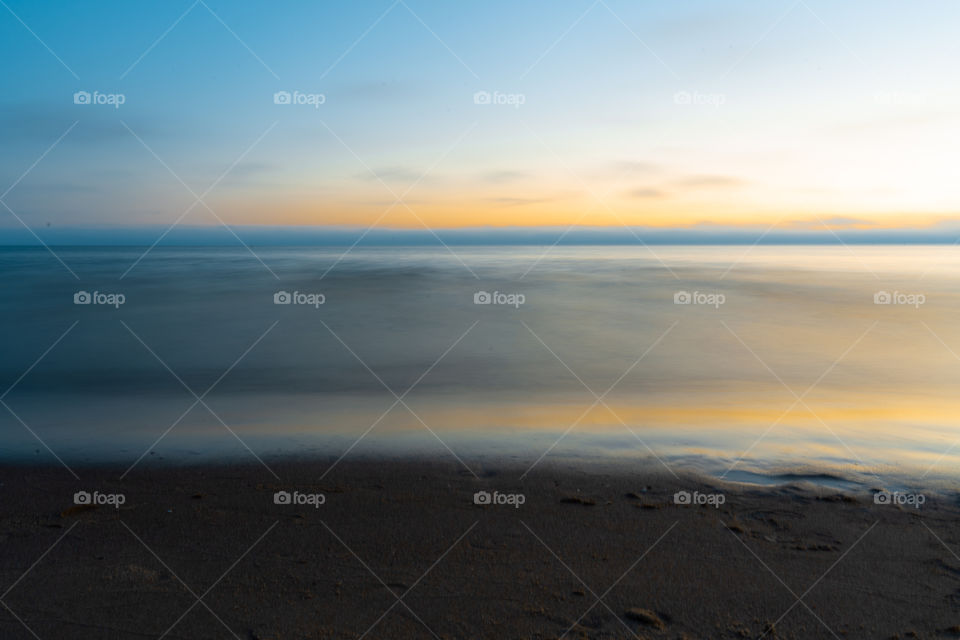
(262, 235)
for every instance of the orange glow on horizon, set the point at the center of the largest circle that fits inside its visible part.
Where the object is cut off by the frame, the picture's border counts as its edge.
(445, 214)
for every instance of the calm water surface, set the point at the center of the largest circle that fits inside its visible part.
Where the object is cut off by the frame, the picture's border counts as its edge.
(783, 361)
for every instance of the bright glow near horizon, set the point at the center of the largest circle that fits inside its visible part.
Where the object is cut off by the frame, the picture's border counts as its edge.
(616, 113)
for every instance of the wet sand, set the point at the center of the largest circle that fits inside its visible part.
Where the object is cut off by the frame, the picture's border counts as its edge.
(400, 549)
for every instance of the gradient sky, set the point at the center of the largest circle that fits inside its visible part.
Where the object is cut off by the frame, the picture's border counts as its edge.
(641, 113)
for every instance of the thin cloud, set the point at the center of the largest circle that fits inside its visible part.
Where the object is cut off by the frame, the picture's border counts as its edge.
(832, 222)
(635, 167)
(518, 202)
(498, 177)
(708, 181)
(647, 193)
(247, 172)
(407, 174)
(29, 123)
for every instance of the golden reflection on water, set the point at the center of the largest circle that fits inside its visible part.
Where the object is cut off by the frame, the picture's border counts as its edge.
(866, 430)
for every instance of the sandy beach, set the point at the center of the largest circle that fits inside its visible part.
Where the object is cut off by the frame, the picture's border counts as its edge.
(402, 549)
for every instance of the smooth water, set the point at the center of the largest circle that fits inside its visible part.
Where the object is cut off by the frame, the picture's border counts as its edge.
(789, 364)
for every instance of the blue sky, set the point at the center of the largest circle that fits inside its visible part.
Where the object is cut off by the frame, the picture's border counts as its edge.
(795, 113)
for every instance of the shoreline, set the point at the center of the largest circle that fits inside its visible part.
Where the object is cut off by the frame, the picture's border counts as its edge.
(527, 568)
(704, 469)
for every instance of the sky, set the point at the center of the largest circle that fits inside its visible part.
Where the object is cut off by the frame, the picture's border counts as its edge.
(795, 115)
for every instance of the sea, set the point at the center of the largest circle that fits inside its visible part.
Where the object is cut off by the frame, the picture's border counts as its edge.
(838, 364)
